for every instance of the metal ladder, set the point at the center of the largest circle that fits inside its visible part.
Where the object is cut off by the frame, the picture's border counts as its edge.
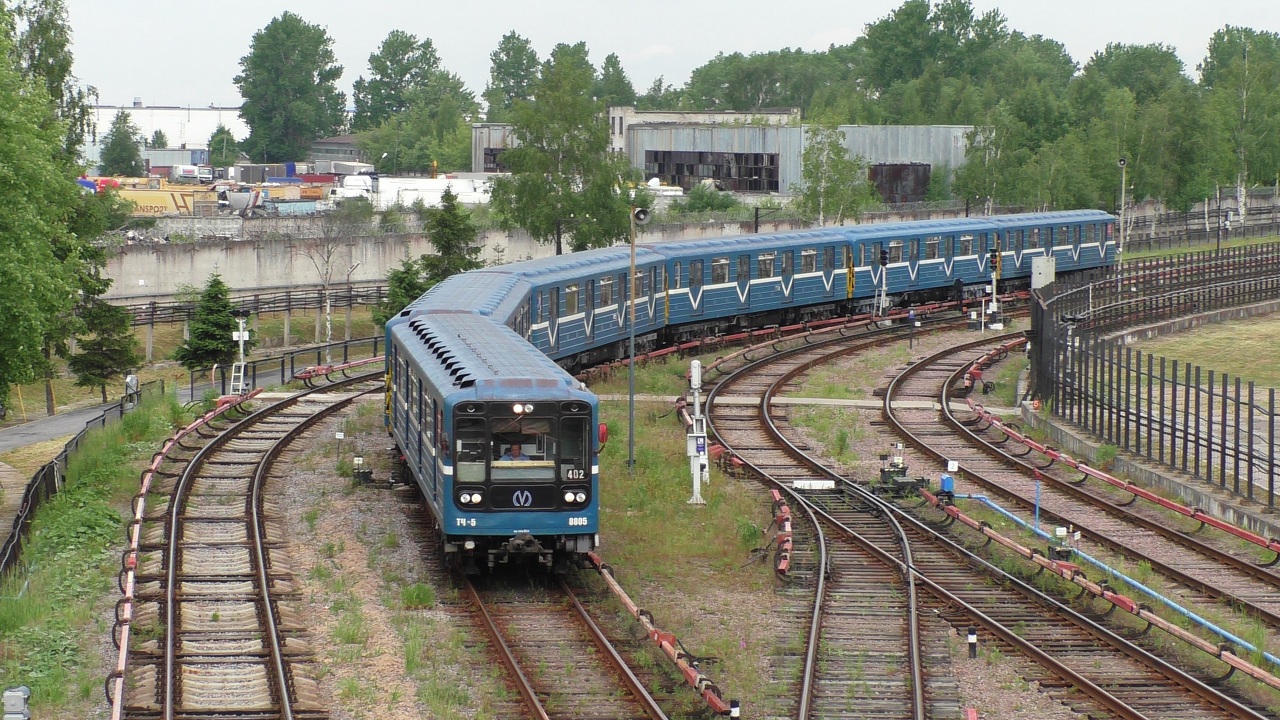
(238, 385)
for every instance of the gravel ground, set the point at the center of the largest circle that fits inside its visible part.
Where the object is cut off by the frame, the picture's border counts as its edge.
(993, 683)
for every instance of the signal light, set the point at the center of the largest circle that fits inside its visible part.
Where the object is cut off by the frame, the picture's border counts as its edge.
(884, 258)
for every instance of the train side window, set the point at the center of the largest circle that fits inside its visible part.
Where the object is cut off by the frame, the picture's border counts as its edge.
(443, 436)
(915, 250)
(895, 251)
(571, 299)
(764, 265)
(1033, 238)
(931, 247)
(542, 306)
(982, 243)
(744, 268)
(948, 247)
(828, 258)
(618, 288)
(470, 451)
(788, 265)
(659, 278)
(429, 429)
(695, 274)
(651, 281)
(606, 291)
(966, 245)
(589, 296)
(809, 259)
(675, 275)
(1019, 239)
(719, 270)
(554, 302)
(416, 384)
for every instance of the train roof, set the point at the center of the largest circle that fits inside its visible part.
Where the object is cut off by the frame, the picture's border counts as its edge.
(483, 291)
(466, 350)
(575, 266)
(748, 242)
(1049, 217)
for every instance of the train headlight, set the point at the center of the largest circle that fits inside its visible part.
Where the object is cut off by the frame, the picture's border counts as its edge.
(580, 497)
(465, 498)
(528, 408)
(568, 497)
(475, 498)
(517, 408)
(469, 545)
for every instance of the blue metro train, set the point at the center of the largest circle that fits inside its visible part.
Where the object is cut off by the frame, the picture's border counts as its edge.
(503, 442)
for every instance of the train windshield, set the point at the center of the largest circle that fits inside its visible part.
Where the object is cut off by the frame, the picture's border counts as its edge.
(522, 448)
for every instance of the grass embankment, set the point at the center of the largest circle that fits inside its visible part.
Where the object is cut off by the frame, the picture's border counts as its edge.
(54, 608)
(29, 400)
(1201, 247)
(1241, 348)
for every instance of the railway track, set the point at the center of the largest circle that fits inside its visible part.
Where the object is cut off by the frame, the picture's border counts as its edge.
(560, 661)
(1206, 566)
(215, 629)
(1087, 666)
(864, 651)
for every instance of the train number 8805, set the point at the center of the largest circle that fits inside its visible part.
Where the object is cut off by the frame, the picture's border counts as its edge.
(577, 521)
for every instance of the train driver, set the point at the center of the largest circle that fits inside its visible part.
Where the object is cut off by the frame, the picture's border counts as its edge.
(513, 453)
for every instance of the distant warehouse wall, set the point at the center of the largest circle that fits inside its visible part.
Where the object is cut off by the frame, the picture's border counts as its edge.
(752, 158)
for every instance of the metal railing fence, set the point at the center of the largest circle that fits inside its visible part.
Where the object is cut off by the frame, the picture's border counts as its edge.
(50, 478)
(1219, 428)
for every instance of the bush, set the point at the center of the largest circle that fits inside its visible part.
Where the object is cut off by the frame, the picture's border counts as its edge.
(705, 199)
(418, 595)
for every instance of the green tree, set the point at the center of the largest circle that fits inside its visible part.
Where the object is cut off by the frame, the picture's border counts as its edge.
(120, 153)
(453, 235)
(223, 148)
(288, 84)
(835, 184)
(41, 48)
(404, 285)
(512, 72)
(660, 96)
(402, 65)
(110, 352)
(1241, 81)
(159, 140)
(614, 88)
(563, 179)
(210, 338)
(38, 253)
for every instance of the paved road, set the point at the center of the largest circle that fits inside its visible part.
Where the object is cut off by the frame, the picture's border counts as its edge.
(47, 428)
(42, 427)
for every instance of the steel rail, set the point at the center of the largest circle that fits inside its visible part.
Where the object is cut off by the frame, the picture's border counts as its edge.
(523, 685)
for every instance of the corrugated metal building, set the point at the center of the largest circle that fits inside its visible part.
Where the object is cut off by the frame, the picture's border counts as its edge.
(768, 159)
(488, 140)
(762, 158)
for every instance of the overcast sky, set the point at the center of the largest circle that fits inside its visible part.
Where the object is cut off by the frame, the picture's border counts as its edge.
(169, 52)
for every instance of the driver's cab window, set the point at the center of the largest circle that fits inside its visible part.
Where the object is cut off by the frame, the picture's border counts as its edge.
(522, 448)
(470, 455)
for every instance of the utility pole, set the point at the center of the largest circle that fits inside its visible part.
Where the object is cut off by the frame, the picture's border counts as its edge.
(1120, 241)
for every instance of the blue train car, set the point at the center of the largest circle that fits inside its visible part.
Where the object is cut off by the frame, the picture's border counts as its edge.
(501, 441)
(478, 363)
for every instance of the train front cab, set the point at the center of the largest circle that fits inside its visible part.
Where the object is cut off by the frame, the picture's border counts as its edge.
(525, 481)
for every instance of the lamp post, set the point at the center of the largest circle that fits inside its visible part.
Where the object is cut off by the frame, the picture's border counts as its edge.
(1120, 240)
(350, 299)
(639, 216)
(631, 351)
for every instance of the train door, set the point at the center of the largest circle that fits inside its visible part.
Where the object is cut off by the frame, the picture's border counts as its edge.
(829, 270)
(788, 275)
(553, 320)
(589, 308)
(744, 281)
(695, 287)
(912, 252)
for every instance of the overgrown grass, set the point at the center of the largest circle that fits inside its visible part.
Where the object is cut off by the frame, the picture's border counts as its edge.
(1241, 348)
(51, 606)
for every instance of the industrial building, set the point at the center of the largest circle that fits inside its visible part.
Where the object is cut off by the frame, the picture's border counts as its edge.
(755, 152)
